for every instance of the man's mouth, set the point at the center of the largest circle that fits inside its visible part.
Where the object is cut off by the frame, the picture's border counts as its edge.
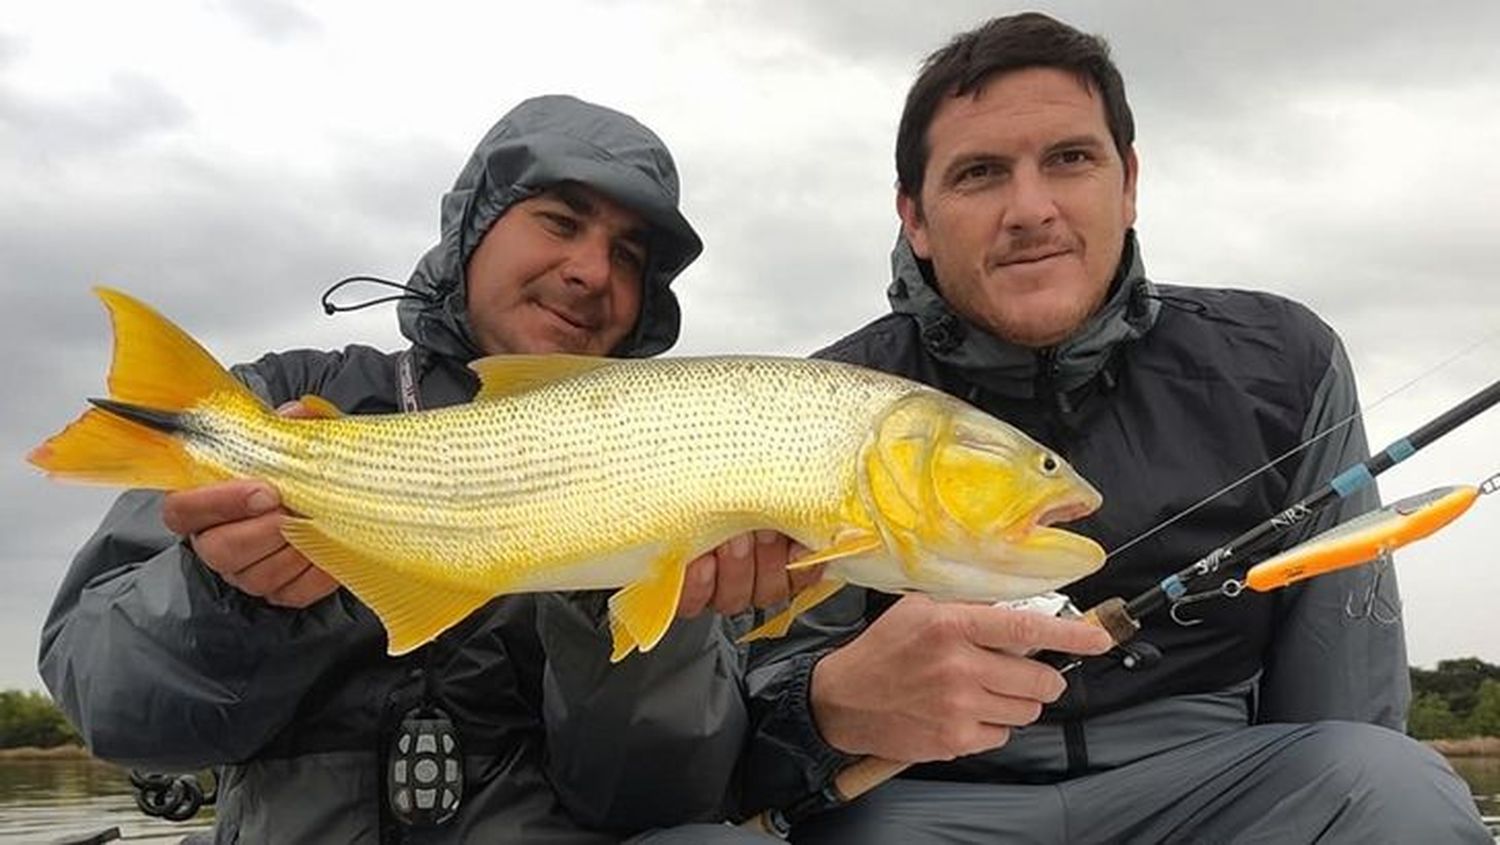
(574, 321)
(1031, 257)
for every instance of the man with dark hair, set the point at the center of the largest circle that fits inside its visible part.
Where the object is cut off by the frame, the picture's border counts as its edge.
(188, 633)
(1019, 286)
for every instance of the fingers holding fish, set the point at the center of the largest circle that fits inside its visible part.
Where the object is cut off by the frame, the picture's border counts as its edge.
(747, 571)
(270, 574)
(188, 512)
(307, 588)
(734, 588)
(698, 586)
(235, 529)
(774, 583)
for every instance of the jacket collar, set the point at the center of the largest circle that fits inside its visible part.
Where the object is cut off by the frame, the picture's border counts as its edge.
(1127, 314)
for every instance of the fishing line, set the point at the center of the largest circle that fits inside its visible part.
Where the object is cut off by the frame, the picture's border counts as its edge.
(1341, 424)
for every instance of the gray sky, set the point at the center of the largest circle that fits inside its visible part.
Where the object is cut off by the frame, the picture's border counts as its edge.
(228, 159)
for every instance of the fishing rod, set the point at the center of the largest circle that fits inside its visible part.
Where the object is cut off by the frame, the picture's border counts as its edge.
(1389, 527)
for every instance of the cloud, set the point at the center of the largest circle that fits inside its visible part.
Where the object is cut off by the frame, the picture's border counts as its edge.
(271, 19)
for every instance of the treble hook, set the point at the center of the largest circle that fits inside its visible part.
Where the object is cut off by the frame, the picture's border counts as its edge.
(1229, 589)
(1375, 606)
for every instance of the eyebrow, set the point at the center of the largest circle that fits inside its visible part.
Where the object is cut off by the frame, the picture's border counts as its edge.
(1074, 141)
(583, 205)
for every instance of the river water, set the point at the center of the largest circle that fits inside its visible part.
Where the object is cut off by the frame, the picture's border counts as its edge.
(47, 801)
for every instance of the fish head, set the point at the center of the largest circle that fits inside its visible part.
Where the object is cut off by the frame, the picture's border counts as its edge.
(967, 502)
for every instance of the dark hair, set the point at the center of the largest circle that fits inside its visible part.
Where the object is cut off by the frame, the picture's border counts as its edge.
(966, 63)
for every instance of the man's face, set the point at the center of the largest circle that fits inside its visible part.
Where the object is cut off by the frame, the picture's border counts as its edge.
(1024, 206)
(558, 272)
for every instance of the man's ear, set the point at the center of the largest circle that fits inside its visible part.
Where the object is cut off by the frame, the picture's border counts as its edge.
(913, 225)
(1132, 170)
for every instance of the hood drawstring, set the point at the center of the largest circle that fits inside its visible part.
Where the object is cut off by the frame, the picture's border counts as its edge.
(407, 292)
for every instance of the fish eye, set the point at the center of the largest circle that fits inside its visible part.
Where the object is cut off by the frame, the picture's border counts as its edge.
(1049, 464)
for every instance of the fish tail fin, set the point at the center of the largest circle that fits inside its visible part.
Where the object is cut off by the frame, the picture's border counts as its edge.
(158, 373)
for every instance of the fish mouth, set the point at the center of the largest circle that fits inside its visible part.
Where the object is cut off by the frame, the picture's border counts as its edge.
(1064, 512)
(1056, 553)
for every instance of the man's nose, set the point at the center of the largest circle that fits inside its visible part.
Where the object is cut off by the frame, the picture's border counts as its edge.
(589, 262)
(1031, 204)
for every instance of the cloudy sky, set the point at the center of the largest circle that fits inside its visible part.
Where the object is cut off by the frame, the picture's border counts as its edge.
(228, 159)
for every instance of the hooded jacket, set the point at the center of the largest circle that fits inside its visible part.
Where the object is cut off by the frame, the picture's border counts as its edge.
(162, 665)
(1164, 397)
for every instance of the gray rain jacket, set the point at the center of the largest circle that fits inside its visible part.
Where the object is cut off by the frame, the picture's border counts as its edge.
(162, 665)
(1164, 397)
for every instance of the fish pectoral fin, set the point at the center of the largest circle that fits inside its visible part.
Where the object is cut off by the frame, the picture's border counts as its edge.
(508, 375)
(412, 610)
(778, 625)
(846, 544)
(318, 407)
(640, 612)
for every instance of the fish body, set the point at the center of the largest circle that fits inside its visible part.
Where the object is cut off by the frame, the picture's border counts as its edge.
(585, 473)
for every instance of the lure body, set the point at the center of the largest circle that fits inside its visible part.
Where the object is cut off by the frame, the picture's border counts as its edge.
(1364, 538)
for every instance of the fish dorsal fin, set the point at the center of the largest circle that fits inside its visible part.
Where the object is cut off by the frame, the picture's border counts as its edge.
(508, 375)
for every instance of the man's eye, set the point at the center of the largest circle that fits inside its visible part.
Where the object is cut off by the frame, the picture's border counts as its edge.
(974, 173)
(560, 223)
(1069, 158)
(630, 257)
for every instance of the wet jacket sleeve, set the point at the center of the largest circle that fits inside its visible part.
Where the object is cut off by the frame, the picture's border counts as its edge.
(651, 741)
(786, 758)
(160, 664)
(1324, 661)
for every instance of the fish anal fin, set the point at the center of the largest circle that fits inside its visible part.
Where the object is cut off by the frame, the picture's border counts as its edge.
(846, 544)
(508, 375)
(640, 612)
(778, 625)
(413, 612)
(318, 407)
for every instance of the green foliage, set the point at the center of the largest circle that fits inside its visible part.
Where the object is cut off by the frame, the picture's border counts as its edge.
(1457, 699)
(30, 719)
(1457, 681)
(1430, 718)
(1484, 720)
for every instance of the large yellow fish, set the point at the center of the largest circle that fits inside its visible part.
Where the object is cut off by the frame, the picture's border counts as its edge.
(588, 473)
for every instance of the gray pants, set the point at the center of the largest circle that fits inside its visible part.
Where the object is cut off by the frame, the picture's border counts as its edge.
(1326, 782)
(702, 834)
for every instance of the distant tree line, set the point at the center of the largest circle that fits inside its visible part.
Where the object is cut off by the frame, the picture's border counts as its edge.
(31, 720)
(1460, 698)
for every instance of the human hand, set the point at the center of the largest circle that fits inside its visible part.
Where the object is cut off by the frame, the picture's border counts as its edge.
(235, 529)
(934, 681)
(748, 571)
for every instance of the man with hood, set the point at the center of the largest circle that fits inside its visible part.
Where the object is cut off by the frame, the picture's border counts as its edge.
(1019, 286)
(188, 634)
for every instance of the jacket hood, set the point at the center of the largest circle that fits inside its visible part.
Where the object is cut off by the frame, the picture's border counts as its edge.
(543, 141)
(1128, 313)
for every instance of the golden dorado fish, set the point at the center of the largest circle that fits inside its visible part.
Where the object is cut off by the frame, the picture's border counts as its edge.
(570, 472)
